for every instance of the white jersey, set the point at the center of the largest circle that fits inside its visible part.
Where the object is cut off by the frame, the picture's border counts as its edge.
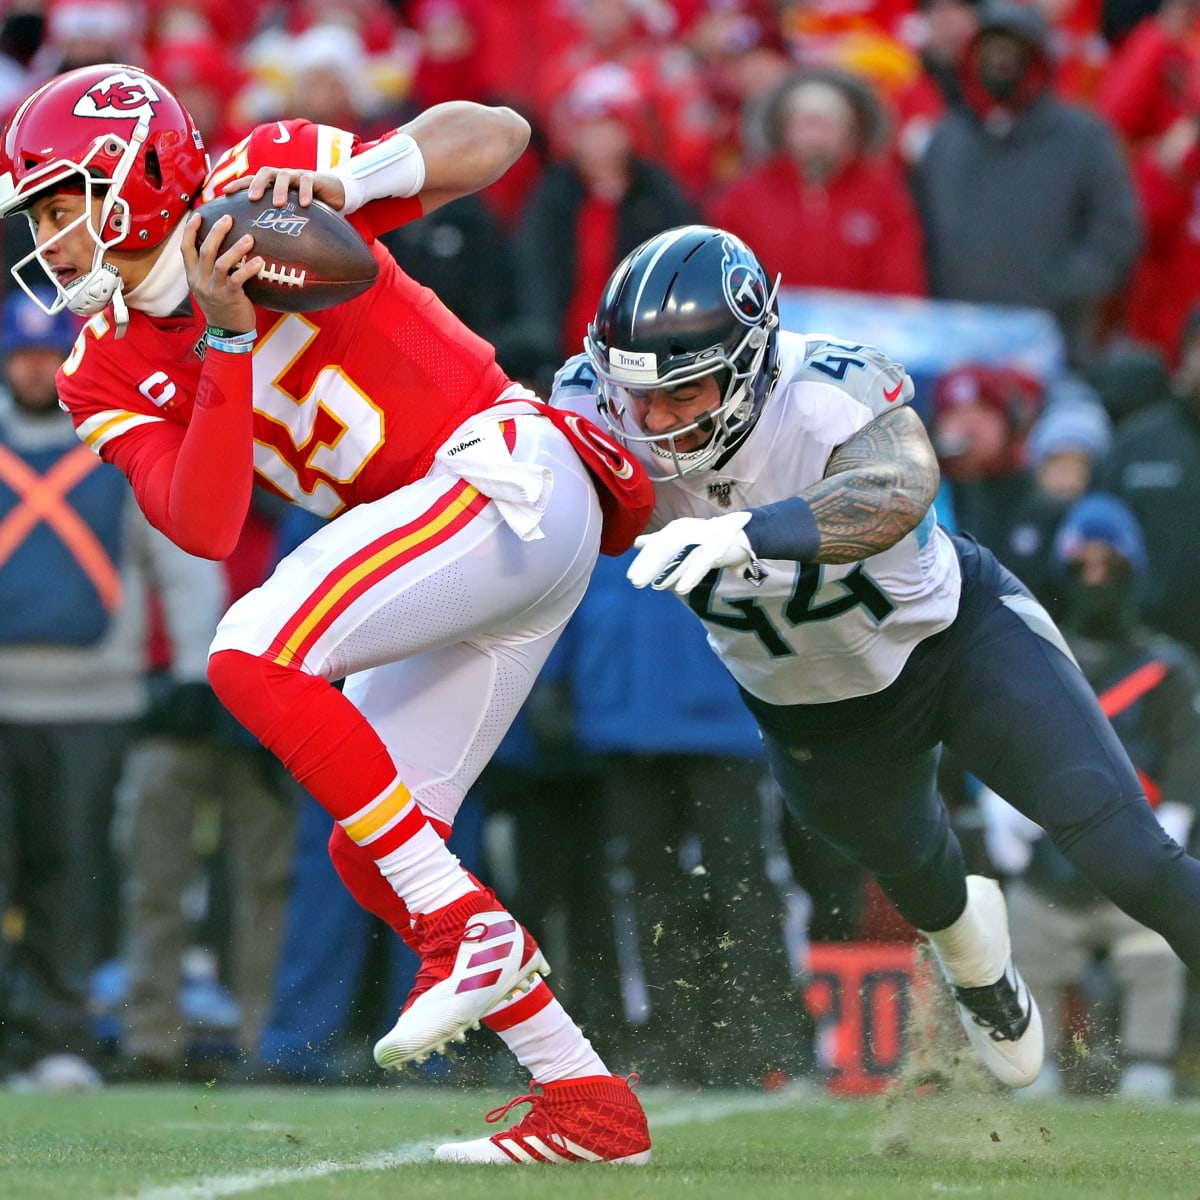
(808, 633)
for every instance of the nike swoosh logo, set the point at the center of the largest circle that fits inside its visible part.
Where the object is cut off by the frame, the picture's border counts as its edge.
(894, 394)
(284, 136)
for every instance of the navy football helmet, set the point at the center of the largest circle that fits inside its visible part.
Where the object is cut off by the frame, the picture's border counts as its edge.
(689, 302)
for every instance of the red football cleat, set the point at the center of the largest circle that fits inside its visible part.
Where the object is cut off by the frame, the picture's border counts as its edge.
(597, 1119)
(473, 955)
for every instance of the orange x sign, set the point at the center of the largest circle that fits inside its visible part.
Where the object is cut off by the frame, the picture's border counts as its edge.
(44, 498)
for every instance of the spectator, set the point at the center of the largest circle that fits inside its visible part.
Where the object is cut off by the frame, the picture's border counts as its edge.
(1148, 686)
(700, 882)
(192, 761)
(1150, 79)
(676, 108)
(80, 33)
(1066, 444)
(1024, 198)
(1154, 466)
(461, 250)
(826, 209)
(21, 31)
(980, 419)
(944, 29)
(1165, 286)
(1128, 377)
(592, 207)
(739, 49)
(76, 563)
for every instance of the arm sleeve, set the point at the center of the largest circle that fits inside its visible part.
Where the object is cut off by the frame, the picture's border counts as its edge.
(194, 484)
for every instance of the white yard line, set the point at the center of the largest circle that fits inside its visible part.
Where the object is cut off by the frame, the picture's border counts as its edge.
(689, 1111)
(210, 1187)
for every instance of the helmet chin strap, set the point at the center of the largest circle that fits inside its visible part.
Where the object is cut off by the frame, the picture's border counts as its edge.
(93, 292)
(102, 285)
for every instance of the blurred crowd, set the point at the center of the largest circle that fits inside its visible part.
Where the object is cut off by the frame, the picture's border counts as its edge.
(1042, 155)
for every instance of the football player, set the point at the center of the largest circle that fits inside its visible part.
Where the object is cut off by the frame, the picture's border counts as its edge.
(464, 518)
(794, 518)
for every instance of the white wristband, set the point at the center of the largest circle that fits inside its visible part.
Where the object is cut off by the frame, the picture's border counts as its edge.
(394, 168)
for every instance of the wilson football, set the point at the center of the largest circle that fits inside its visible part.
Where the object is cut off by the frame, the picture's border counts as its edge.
(313, 257)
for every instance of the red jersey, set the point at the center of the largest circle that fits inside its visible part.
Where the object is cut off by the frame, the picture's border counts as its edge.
(350, 403)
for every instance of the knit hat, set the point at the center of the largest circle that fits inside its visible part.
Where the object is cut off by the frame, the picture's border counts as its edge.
(25, 326)
(1070, 422)
(1101, 517)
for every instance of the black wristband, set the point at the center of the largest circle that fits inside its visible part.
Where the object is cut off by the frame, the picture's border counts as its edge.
(217, 332)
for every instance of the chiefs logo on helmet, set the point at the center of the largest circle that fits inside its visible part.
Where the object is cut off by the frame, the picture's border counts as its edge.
(118, 95)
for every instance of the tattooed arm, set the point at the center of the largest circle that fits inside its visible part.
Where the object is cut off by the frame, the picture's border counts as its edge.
(877, 487)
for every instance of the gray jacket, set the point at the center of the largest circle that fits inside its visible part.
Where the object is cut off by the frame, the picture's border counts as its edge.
(1040, 214)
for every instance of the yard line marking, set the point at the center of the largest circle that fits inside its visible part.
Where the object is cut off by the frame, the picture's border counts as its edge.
(682, 1111)
(213, 1186)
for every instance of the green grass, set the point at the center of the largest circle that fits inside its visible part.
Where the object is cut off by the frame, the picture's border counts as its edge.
(196, 1143)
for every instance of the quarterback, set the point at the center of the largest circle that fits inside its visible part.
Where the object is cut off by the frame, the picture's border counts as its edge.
(793, 516)
(465, 518)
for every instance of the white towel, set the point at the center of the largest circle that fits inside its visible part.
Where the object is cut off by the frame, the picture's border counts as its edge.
(478, 454)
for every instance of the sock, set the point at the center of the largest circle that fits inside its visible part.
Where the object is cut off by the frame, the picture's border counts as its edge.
(333, 752)
(974, 949)
(533, 1025)
(543, 1038)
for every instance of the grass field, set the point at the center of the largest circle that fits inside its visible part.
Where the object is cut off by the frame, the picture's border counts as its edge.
(197, 1143)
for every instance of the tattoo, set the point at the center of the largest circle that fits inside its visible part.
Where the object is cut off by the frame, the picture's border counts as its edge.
(877, 487)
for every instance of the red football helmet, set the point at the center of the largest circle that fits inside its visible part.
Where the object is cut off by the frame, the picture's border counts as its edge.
(112, 132)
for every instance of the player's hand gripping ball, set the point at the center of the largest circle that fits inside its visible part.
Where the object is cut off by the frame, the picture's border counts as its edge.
(312, 256)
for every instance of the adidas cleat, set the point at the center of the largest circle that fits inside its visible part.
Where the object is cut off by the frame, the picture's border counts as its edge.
(597, 1119)
(473, 955)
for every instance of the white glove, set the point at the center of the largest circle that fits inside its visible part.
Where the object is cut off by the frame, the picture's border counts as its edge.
(680, 554)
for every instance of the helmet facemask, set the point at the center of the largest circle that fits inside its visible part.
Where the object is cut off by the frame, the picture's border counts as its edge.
(93, 291)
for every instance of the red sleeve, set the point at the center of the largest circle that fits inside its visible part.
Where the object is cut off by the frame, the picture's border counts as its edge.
(1166, 199)
(194, 483)
(1132, 97)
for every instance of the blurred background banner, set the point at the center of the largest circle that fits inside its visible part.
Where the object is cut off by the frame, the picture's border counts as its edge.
(931, 337)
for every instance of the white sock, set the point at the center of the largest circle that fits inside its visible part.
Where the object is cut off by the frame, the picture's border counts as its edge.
(974, 950)
(550, 1046)
(424, 873)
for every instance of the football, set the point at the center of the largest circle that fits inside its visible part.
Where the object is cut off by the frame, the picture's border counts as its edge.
(313, 257)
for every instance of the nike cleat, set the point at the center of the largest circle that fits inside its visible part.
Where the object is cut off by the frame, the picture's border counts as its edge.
(1004, 1026)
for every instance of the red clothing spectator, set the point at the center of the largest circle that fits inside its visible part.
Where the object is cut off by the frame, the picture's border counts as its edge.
(1151, 79)
(824, 211)
(1166, 280)
(678, 111)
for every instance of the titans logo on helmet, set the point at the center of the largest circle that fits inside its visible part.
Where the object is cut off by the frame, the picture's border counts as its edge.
(744, 287)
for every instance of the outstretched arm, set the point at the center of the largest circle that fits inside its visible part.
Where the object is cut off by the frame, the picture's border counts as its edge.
(448, 151)
(877, 487)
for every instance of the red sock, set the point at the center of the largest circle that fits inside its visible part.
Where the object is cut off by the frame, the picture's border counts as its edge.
(322, 739)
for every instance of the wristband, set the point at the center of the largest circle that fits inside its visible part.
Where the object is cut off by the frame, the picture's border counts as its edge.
(786, 530)
(229, 342)
(395, 167)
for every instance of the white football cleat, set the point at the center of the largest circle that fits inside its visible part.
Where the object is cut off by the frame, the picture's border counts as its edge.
(473, 955)
(1001, 1018)
(593, 1120)
(1004, 1026)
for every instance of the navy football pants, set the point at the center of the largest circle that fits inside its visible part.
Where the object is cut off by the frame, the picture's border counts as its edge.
(997, 689)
